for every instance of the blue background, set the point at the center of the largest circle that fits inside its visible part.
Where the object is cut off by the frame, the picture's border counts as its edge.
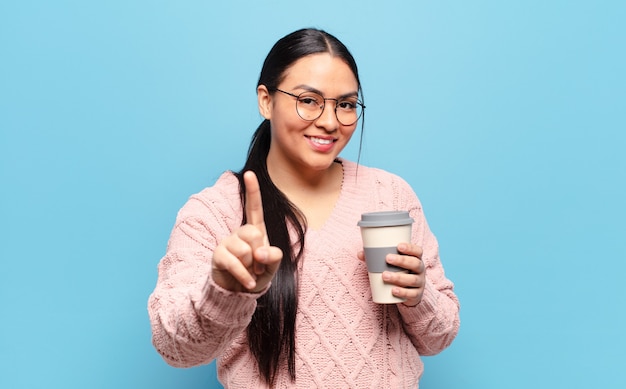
(507, 117)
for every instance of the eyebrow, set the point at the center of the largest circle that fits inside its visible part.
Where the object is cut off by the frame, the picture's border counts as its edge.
(319, 92)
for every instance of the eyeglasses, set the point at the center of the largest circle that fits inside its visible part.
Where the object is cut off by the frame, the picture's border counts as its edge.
(310, 106)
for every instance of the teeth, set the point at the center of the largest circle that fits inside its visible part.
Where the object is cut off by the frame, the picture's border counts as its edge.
(322, 141)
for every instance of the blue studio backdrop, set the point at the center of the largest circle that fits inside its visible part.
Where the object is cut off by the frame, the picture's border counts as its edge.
(507, 118)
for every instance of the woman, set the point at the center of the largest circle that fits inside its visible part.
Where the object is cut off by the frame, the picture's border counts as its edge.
(264, 270)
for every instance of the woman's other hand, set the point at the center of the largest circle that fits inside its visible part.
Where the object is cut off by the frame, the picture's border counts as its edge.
(409, 286)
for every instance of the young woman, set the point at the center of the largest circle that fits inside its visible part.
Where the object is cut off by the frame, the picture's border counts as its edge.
(264, 270)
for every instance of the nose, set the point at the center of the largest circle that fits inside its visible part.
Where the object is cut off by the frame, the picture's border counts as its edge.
(328, 119)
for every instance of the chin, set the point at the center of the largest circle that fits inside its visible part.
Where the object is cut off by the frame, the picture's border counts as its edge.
(322, 164)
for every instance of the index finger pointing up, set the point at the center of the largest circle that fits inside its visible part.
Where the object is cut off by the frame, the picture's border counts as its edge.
(254, 204)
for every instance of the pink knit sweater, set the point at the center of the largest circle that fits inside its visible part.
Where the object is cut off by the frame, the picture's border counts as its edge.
(343, 339)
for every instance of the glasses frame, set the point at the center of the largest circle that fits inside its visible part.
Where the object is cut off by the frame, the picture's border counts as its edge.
(323, 106)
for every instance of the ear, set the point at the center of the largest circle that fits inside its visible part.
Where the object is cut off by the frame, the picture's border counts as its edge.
(265, 101)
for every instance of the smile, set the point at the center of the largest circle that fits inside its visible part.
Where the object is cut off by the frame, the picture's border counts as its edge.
(320, 140)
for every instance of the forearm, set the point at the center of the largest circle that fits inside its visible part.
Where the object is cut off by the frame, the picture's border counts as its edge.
(433, 324)
(193, 327)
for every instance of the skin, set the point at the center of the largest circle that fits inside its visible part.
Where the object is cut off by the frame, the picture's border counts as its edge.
(306, 172)
(244, 261)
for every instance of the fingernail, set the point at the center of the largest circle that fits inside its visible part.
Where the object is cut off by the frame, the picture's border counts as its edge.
(402, 247)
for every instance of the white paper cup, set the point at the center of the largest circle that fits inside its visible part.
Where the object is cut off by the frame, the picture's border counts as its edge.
(381, 233)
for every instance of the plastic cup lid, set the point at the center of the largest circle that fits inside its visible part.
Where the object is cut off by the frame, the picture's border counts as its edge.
(385, 219)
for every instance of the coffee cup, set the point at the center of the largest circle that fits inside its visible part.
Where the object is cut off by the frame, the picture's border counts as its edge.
(381, 233)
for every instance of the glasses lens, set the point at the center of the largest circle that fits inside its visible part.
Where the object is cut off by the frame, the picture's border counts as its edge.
(310, 105)
(348, 111)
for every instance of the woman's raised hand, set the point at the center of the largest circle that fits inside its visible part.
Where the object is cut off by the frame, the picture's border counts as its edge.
(244, 261)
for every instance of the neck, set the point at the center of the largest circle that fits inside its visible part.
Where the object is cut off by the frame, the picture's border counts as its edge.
(290, 179)
(314, 195)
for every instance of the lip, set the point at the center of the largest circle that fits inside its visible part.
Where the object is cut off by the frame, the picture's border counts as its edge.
(321, 147)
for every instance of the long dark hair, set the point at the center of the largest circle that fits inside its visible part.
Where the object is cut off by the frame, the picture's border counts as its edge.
(271, 333)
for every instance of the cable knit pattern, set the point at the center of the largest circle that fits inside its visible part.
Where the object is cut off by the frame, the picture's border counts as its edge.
(343, 339)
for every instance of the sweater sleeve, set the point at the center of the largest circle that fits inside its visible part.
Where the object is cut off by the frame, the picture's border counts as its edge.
(433, 324)
(193, 319)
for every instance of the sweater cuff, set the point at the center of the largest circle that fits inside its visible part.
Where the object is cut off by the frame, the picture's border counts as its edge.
(425, 308)
(224, 307)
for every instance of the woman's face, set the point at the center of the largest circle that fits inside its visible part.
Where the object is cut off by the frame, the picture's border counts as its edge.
(308, 145)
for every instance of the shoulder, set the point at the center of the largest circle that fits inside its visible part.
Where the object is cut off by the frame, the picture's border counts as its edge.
(385, 189)
(221, 200)
(373, 175)
(224, 188)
